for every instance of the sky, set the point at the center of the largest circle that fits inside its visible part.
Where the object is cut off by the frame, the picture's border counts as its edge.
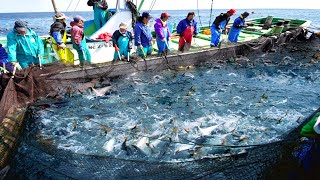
(46, 6)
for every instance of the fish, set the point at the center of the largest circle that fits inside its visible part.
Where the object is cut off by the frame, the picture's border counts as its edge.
(109, 145)
(143, 144)
(101, 91)
(132, 149)
(208, 130)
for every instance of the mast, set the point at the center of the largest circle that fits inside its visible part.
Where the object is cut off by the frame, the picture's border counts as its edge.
(140, 6)
(54, 6)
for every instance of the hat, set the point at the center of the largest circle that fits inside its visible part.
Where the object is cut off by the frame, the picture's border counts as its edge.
(232, 11)
(77, 19)
(21, 25)
(60, 15)
(165, 14)
(146, 14)
(245, 14)
(123, 25)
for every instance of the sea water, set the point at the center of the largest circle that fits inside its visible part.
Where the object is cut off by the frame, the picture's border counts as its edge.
(198, 110)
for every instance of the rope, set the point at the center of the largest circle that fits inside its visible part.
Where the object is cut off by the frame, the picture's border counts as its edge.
(211, 14)
(69, 6)
(152, 5)
(199, 13)
(76, 5)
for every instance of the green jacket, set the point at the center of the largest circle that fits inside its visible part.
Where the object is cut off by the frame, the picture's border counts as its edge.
(307, 130)
(24, 49)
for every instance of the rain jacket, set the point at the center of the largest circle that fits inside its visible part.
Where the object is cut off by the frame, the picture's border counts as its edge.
(221, 21)
(162, 32)
(307, 130)
(235, 30)
(183, 24)
(124, 43)
(158, 28)
(100, 15)
(142, 35)
(116, 35)
(57, 30)
(24, 49)
(4, 59)
(79, 42)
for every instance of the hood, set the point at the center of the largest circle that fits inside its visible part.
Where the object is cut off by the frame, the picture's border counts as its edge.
(158, 20)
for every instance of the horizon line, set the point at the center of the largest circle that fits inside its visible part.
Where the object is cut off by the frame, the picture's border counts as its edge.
(170, 10)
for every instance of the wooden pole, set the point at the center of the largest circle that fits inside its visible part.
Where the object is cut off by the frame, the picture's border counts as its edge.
(54, 6)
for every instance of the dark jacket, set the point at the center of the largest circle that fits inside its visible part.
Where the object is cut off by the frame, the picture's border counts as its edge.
(116, 35)
(219, 19)
(58, 27)
(57, 31)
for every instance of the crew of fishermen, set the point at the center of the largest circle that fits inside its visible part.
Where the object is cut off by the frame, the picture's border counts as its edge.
(26, 48)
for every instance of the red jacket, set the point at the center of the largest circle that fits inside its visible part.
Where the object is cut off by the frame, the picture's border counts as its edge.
(76, 32)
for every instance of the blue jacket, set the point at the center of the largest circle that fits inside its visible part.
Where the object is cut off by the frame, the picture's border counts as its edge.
(3, 53)
(142, 35)
(238, 22)
(183, 24)
(24, 49)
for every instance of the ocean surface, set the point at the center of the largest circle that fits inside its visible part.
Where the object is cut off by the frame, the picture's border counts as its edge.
(41, 21)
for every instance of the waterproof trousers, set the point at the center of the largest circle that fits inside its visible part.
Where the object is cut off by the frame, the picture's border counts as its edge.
(84, 54)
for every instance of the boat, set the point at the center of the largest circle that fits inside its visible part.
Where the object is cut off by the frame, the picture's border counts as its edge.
(245, 164)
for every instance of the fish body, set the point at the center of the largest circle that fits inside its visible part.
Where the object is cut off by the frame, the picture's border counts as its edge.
(101, 91)
(109, 145)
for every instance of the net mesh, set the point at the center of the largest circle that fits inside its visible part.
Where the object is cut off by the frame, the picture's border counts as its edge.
(46, 161)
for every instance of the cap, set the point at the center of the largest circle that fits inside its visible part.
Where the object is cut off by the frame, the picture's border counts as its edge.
(21, 25)
(165, 14)
(245, 14)
(146, 14)
(77, 19)
(123, 25)
(60, 15)
(232, 11)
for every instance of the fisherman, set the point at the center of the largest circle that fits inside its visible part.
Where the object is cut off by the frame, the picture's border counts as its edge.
(162, 32)
(24, 46)
(309, 150)
(79, 41)
(142, 35)
(122, 41)
(5, 66)
(238, 24)
(187, 28)
(100, 12)
(219, 25)
(58, 34)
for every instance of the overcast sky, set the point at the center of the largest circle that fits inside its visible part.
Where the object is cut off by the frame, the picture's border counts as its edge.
(46, 6)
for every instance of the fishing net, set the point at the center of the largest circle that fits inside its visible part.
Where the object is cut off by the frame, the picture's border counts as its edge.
(43, 160)
(25, 87)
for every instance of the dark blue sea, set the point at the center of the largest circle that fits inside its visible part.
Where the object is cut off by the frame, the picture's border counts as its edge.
(41, 21)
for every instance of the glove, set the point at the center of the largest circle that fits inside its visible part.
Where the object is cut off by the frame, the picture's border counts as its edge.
(3, 70)
(62, 46)
(195, 35)
(163, 40)
(17, 65)
(80, 48)
(140, 47)
(180, 35)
